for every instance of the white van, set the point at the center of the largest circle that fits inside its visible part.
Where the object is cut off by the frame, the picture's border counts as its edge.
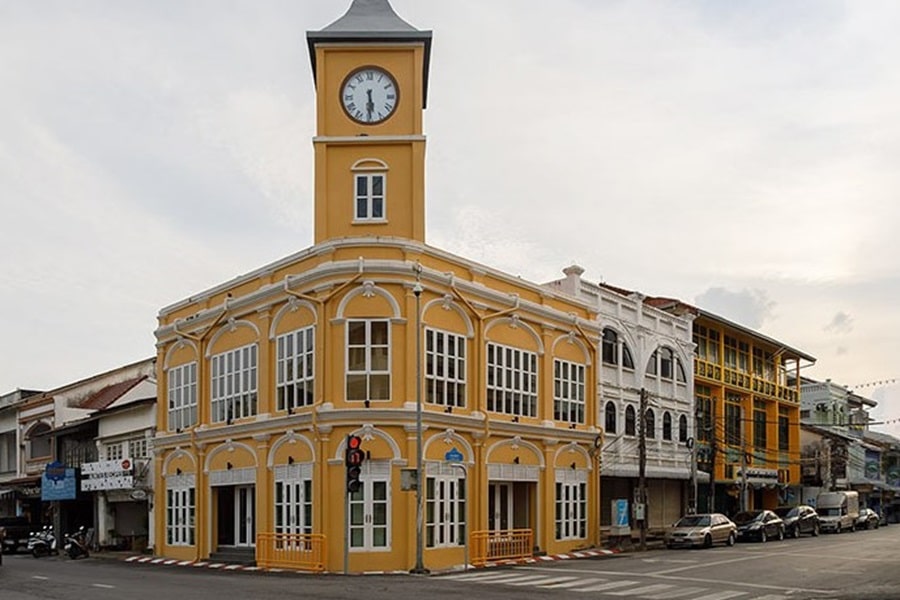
(838, 511)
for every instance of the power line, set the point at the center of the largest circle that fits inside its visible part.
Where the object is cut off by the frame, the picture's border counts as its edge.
(880, 383)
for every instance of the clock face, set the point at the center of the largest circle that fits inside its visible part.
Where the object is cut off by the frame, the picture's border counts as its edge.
(369, 95)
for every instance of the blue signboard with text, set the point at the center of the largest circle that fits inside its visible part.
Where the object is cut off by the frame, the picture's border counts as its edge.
(58, 483)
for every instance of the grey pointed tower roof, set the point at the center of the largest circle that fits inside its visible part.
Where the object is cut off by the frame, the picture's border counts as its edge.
(371, 21)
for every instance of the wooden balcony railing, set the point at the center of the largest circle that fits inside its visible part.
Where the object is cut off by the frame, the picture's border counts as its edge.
(510, 544)
(743, 380)
(299, 551)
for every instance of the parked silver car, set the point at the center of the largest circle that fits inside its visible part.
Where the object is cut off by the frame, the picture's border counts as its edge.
(701, 530)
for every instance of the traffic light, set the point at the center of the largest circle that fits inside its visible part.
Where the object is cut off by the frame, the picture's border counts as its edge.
(354, 459)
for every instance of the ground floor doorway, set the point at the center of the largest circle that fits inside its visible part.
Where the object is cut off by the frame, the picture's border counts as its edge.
(236, 515)
(510, 505)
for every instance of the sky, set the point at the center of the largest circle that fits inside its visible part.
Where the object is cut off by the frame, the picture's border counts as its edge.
(739, 156)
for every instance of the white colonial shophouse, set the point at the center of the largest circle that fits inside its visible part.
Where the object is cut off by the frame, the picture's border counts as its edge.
(642, 348)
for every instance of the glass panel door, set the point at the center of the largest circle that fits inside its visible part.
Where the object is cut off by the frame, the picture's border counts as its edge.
(244, 515)
(500, 506)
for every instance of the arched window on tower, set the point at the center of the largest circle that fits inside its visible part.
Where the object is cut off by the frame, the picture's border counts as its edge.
(369, 190)
(629, 420)
(650, 424)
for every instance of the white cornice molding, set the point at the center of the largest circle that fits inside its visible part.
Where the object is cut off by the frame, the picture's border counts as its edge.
(274, 293)
(367, 139)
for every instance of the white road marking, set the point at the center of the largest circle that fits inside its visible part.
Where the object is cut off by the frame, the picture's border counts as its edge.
(604, 586)
(680, 592)
(721, 595)
(42, 578)
(640, 591)
(103, 585)
(554, 580)
(570, 584)
(485, 577)
(528, 580)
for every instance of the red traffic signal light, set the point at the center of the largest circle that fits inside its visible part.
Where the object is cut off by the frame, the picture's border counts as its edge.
(353, 459)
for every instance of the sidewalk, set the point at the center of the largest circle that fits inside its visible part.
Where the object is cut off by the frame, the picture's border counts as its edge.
(591, 553)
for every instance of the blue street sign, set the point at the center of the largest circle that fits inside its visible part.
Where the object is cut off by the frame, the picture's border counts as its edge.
(453, 455)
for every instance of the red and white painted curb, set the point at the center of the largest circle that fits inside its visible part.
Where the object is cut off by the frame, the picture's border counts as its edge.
(151, 560)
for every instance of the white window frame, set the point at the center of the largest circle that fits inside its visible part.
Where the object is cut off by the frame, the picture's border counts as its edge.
(369, 370)
(372, 201)
(568, 391)
(445, 368)
(512, 380)
(137, 448)
(570, 511)
(181, 513)
(182, 396)
(115, 451)
(233, 389)
(370, 517)
(295, 369)
(445, 506)
(292, 497)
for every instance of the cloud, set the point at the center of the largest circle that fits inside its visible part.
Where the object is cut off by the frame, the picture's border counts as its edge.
(750, 308)
(841, 323)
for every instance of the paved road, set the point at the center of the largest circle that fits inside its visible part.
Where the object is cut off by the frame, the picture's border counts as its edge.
(862, 565)
(858, 566)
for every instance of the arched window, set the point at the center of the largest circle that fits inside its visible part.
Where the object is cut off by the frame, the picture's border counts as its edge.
(682, 429)
(39, 441)
(666, 357)
(611, 350)
(665, 364)
(667, 426)
(610, 347)
(627, 361)
(650, 424)
(610, 412)
(629, 420)
(369, 185)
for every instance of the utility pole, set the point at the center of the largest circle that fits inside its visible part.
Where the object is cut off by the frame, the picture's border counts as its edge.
(642, 469)
(419, 568)
(743, 476)
(711, 501)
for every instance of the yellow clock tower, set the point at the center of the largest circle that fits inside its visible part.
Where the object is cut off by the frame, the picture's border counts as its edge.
(371, 73)
(470, 390)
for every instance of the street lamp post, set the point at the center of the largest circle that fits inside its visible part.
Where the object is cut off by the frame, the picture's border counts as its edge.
(419, 569)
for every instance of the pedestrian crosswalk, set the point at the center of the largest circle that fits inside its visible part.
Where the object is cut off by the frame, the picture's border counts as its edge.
(646, 589)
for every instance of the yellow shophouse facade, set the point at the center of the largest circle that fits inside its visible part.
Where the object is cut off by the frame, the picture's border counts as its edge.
(370, 332)
(747, 403)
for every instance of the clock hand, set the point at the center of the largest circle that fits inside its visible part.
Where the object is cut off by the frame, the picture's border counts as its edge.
(370, 105)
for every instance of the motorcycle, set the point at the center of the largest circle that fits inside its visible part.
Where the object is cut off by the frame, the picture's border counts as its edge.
(43, 542)
(76, 544)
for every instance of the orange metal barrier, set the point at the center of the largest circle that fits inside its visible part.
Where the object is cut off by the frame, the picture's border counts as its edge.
(301, 551)
(510, 544)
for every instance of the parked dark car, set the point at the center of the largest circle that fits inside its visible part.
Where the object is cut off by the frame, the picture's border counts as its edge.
(701, 530)
(761, 525)
(798, 519)
(14, 533)
(868, 519)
